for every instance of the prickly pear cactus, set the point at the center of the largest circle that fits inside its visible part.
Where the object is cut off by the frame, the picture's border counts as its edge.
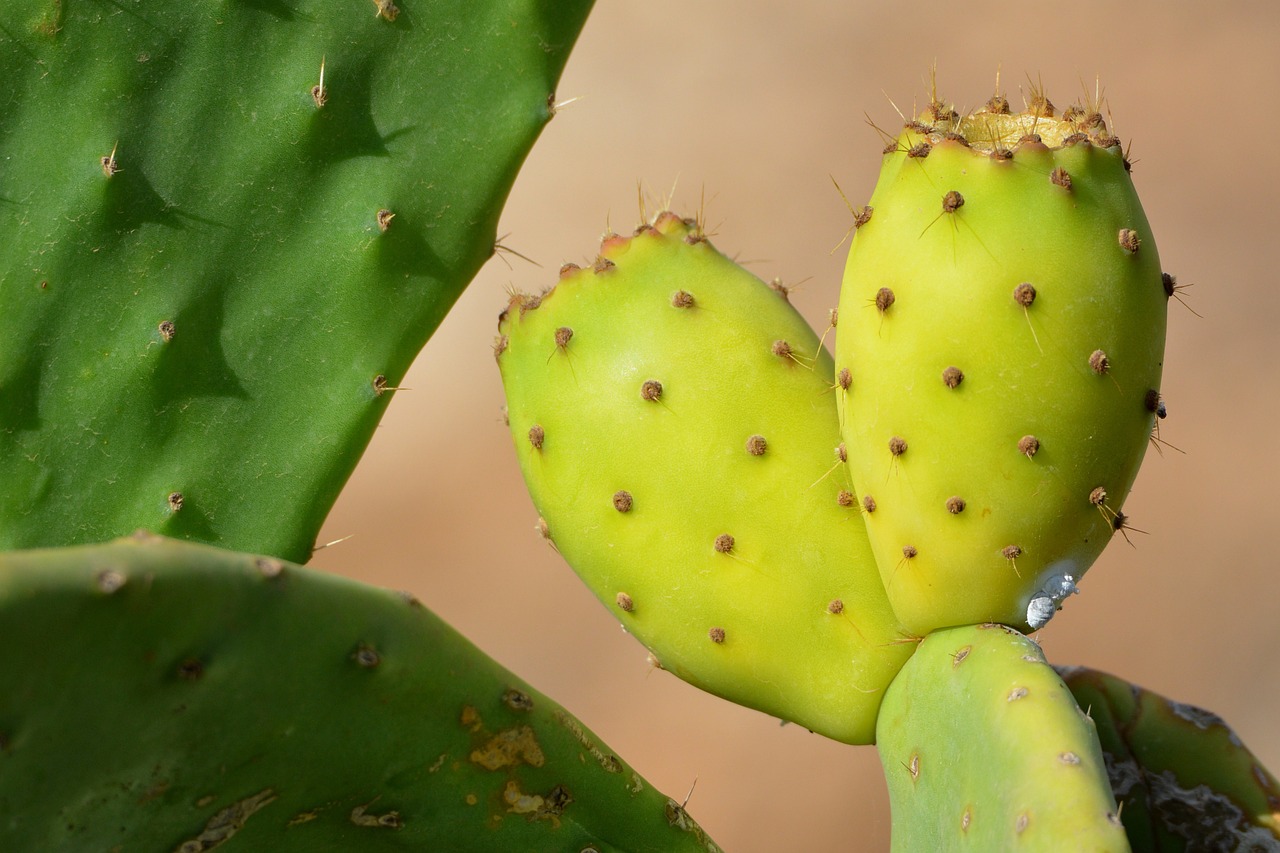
(1002, 327)
(156, 695)
(1183, 778)
(674, 418)
(228, 227)
(984, 748)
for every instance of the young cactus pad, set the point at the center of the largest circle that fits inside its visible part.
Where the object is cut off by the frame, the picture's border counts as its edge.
(228, 227)
(675, 421)
(1002, 320)
(157, 695)
(984, 748)
(1183, 778)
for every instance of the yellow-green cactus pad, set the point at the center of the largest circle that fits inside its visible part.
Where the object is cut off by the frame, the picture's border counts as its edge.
(1002, 322)
(984, 748)
(675, 421)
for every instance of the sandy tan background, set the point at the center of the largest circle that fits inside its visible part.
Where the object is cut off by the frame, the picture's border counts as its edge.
(759, 102)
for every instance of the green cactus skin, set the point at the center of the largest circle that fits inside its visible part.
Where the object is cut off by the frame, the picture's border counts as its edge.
(1003, 321)
(678, 436)
(984, 748)
(158, 695)
(215, 268)
(1183, 779)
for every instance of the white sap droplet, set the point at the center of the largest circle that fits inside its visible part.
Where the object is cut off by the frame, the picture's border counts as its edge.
(1040, 611)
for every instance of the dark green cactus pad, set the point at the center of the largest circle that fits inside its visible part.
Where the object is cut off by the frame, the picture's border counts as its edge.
(985, 749)
(158, 695)
(675, 421)
(1002, 320)
(1184, 780)
(228, 227)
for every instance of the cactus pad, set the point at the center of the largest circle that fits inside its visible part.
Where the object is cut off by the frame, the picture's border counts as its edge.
(675, 421)
(229, 227)
(984, 748)
(156, 695)
(1184, 780)
(1002, 320)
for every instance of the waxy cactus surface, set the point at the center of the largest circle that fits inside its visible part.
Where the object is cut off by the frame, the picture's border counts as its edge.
(1002, 320)
(1183, 778)
(156, 695)
(228, 227)
(675, 421)
(984, 748)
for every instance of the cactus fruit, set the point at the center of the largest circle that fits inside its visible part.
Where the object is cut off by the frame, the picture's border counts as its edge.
(204, 694)
(674, 419)
(1184, 780)
(1002, 320)
(228, 230)
(984, 748)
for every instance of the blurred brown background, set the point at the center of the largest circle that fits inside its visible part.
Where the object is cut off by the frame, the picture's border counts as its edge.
(759, 102)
